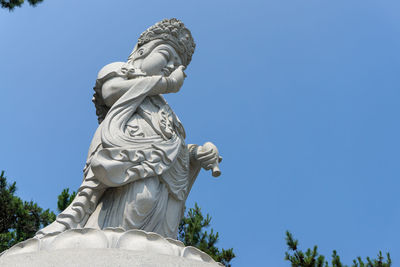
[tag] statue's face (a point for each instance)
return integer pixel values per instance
(161, 60)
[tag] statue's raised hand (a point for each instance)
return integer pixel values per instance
(208, 157)
(175, 79)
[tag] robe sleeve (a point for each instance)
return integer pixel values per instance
(123, 158)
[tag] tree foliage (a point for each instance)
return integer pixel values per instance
(64, 199)
(11, 4)
(191, 233)
(311, 258)
(19, 220)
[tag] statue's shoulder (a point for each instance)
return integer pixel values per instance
(107, 72)
(108, 69)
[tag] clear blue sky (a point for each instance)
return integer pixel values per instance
(301, 97)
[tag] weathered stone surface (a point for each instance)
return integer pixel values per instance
(110, 238)
(99, 258)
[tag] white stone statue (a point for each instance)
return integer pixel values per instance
(139, 171)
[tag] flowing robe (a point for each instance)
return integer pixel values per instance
(138, 173)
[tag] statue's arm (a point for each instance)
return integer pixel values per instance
(193, 152)
(114, 88)
(118, 84)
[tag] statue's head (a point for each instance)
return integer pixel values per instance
(159, 50)
(163, 47)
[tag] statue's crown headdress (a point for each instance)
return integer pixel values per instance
(173, 31)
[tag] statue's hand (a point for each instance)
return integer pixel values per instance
(128, 72)
(208, 157)
(175, 79)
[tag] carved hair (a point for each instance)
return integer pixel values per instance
(98, 101)
(174, 32)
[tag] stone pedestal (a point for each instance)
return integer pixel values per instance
(99, 258)
(109, 247)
